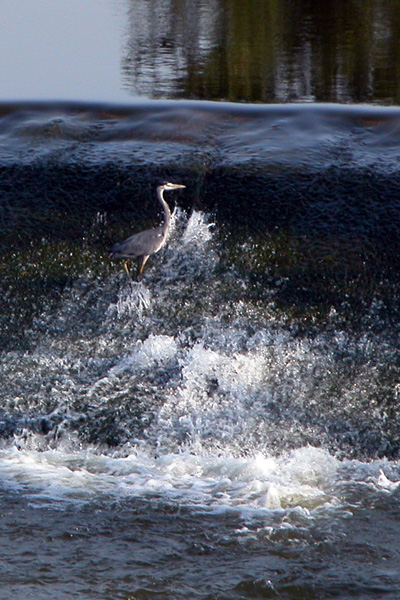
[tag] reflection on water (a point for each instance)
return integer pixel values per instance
(236, 50)
(268, 51)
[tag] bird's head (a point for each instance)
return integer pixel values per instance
(172, 186)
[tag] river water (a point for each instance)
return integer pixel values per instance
(229, 427)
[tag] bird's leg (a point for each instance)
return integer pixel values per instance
(141, 267)
(127, 268)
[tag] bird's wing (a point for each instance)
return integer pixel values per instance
(141, 244)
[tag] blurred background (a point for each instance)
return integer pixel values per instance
(241, 51)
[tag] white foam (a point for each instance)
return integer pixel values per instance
(308, 479)
(198, 230)
(385, 483)
(133, 299)
(236, 374)
(188, 253)
(156, 349)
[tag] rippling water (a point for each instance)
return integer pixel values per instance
(269, 51)
(229, 427)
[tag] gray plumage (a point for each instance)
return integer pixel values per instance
(143, 244)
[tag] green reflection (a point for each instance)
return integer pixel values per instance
(265, 50)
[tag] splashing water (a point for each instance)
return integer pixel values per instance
(197, 231)
(189, 239)
(133, 300)
(171, 388)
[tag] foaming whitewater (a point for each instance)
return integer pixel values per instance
(308, 481)
(132, 301)
(169, 390)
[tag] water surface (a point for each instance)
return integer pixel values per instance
(229, 428)
(269, 51)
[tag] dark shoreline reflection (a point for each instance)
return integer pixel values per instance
(264, 51)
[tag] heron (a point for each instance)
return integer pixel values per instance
(143, 244)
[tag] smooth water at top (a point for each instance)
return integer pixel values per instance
(254, 51)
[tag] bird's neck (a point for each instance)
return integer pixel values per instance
(167, 212)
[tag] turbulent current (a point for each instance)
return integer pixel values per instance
(226, 429)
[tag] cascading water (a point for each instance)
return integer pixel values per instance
(171, 388)
(229, 426)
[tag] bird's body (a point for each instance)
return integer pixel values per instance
(143, 244)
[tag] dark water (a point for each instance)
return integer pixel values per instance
(268, 51)
(134, 549)
(229, 428)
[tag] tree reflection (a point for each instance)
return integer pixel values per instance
(264, 50)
